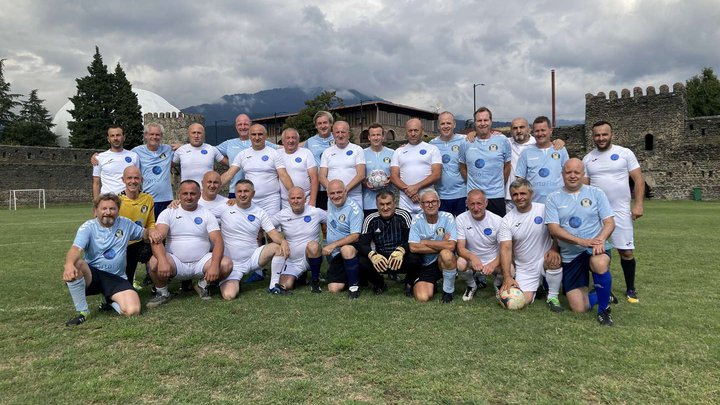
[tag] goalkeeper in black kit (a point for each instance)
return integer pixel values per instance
(383, 244)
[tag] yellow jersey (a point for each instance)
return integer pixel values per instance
(140, 210)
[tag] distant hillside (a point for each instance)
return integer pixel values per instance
(268, 102)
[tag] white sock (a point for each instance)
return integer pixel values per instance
(202, 283)
(554, 279)
(277, 265)
(469, 278)
(164, 291)
(116, 307)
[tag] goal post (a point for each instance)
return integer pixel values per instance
(12, 202)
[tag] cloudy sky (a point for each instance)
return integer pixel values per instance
(426, 54)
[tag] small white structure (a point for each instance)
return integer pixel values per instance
(149, 103)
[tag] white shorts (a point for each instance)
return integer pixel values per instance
(271, 204)
(529, 277)
(622, 236)
(295, 267)
(190, 270)
(241, 268)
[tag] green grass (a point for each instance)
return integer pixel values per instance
(326, 349)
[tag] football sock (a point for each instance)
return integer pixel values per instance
(592, 297)
(164, 291)
(449, 280)
(77, 292)
(276, 268)
(469, 278)
(116, 307)
(202, 283)
(554, 279)
(352, 269)
(628, 267)
(603, 287)
(315, 263)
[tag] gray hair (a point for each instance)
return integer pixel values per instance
(154, 124)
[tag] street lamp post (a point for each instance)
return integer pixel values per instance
(474, 106)
(216, 130)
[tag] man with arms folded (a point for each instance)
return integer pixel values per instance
(103, 241)
(527, 252)
(433, 237)
(414, 166)
(240, 226)
(301, 167)
(579, 217)
(300, 223)
(477, 245)
(194, 247)
(609, 167)
(344, 223)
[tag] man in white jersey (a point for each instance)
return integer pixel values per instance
(95, 263)
(210, 199)
(477, 245)
(317, 144)
(264, 167)
(240, 227)
(433, 236)
(527, 251)
(610, 167)
(344, 220)
(414, 166)
(344, 161)
(107, 174)
(300, 165)
(196, 157)
(300, 223)
(194, 246)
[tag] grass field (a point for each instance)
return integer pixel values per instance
(327, 349)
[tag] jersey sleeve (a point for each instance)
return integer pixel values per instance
(237, 161)
(212, 223)
(82, 237)
(521, 169)
(323, 215)
(277, 160)
(394, 161)
(176, 155)
(309, 160)
(324, 159)
(360, 158)
(135, 231)
(564, 157)
(451, 228)
(97, 169)
(504, 233)
(462, 151)
(356, 220)
(414, 236)
(632, 162)
(164, 217)
(435, 156)
(507, 150)
(551, 213)
(604, 209)
(223, 148)
(460, 227)
(267, 223)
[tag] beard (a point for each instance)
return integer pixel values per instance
(107, 221)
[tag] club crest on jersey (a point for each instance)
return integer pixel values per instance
(538, 220)
(204, 152)
(332, 143)
(251, 217)
(157, 170)
(487, 231)
(386, 159)
(307, 218)
(349, 153)
(265, 158)
(198, 220)
(440, 231)
(480, 163)
(162, 156)
(298, 160)
(423, 151)
(544, 172)
(492, 148)
(586, 202)
(446, 159)
(128, 159)
(575, 222)
(614, 156)
(109, 254)
(144, 209)
(119, 233)
(341, 218)
(555, 155)
(455, 148)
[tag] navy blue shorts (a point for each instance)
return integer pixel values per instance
(427, 273)
(454, 206)
(576, 274)
(159, 207)
(107, 284)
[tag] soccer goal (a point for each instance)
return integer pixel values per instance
(12, 203)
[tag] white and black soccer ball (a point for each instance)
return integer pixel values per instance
(513, 299)
(377, 178)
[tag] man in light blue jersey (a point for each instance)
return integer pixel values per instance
(155, 163)
(541, 164)
(580, 218)
(377, 157)
(344, 223)
(451, 187)
(433, 236)
(317, 144)
(103, 242)
(231, 147)
(485, 163)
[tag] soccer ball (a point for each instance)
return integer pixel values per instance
(377, 178)
(512, 299)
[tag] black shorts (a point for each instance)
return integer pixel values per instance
(576, 274)
(455, 206)
(107, 284)
(321, 200)
(429, 273)
(336, 270)
(497, 206)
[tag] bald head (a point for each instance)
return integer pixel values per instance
(573, 173)
(132, 178)
(196, 134)
(242, 126)
(211, 184)
(520, 130)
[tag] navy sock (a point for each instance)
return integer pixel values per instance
(352, 269)
(603, 287)
(592, 297)
(628, 267)
(315, 263)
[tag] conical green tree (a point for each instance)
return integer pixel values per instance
(34, 111)
(8, 101)
(703, 93)
(33, 126)
(127, 111)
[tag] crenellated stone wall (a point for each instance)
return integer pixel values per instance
(175, 124)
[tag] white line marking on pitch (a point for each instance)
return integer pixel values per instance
(27, 309)
(38, 241)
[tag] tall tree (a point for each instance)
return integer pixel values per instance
(303, 121)
(8, 101)
(34, 111)
(33, 126)
(97, 106)
(127, 109)
(703, 94)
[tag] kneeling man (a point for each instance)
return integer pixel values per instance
(344, 221)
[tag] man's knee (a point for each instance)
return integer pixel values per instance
(313, 249)
(447, 259)
(348, 252)
(335, 287)
(230, 290)
(600, 264)
(226, 266)
(626, 254)
(462, 264)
